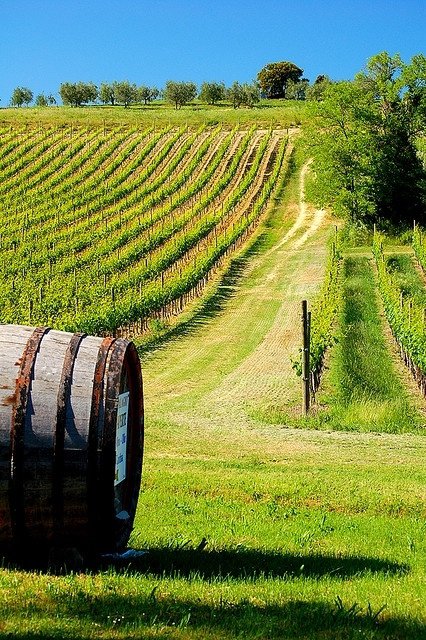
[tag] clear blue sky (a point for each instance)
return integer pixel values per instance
(46, 42)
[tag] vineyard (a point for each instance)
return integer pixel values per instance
(102, 228)
(245, 525)
(405, 310)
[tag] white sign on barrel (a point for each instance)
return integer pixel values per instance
(121, 438)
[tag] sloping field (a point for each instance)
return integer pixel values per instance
(101, 228)
(252, 529)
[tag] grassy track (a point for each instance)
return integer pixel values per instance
(253, 530)
(239, 363)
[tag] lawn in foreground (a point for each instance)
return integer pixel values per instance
(290, 534)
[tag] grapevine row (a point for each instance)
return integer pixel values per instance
(406, 316)
(143, 219)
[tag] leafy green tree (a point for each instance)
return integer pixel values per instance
(274, 77)
(243, 94)
(179, 93)
(51, 99)
(78, 93)
(316, 90)
(212, 92)
(41, 100)
(235, 94)
(251, 94)
(341, 151)
(398, 174)
(106, 93)
(296, 90)
(125, 93)
(364, 143)
(21, 96)
(147, 94)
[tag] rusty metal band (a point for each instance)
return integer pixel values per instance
(98, 392)
(63, 401)
(136, 430)
(17, 430)
(107, 463)
(95, 429)
(137, 403)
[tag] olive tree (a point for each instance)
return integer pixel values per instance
(21, 96)
(243, 94)
(212, 92)
(76, 94)
(147, 94)
(179, 93)
(41, 100)
(106, 93)
(125, 93)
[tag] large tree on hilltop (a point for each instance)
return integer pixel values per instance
(273, 78)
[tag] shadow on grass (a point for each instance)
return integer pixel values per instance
(157, 615)
(218, 565)
(160, 608)
(249, 564)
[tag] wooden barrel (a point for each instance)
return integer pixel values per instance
(71, 439)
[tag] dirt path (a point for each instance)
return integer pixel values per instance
(238, 363)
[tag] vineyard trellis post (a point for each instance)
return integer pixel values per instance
(305, 357)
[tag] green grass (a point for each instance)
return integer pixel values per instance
(254, 530)
(277, 113)
(365, 390)
(326, 540)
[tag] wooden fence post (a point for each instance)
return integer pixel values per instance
(305, 357)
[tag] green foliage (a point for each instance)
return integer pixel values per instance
(405, 314)
(275, 76)
(147, 94)
(364, 146)
(125, 93)
(297, 90)
(21, 96)
(113, 228)
(106, 93)
(323, 313)
(41, 101)
(316, 90)
(362, 389)
(179, 93)
(76, 94)
(212, 92)
(275, 114)
(243, 94)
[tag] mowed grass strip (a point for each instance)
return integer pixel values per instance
(365, 390)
